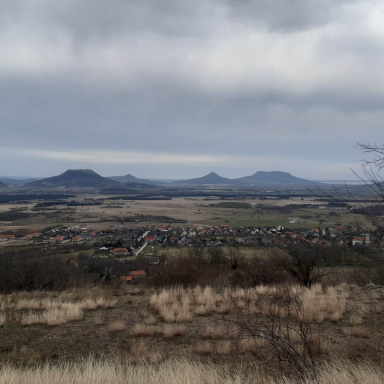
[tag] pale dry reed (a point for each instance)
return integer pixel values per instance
(54, 316)
(99, 320)
(251, 345)
(150, 320)
(360, 332)
(223, 348)
(203, 348)
(170, 331)
(218, 333)
(317, 304)
(142, 351)
(116, 326)
(176, 372)
(145, 330)
(3, 319)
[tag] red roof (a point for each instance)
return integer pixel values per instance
(126, 278)
(119, 250)
(7, 236)
(76, 238)
(138, 273)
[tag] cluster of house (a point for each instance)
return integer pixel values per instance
(134, 276)
(256, 236)
(121, 240)
(128, 237)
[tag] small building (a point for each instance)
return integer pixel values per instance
(138, 273)
(7, 237)
(76, 239)
(119, 251)
(126, 279)
(358, 241)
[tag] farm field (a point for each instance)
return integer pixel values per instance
(197, 211)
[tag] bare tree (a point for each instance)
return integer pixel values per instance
(302, 263)
(278, 320)
(234, 255)
(199, 255)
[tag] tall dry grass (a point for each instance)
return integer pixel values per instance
(54, 316)
(3, 319)
(116, 326)
(55, 309)
(176, 372)
(317, 304)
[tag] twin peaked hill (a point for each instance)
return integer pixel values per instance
(259, 179)
(86, 178)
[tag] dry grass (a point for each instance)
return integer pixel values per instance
(318, 304)
(28, 304)
(202, 311)
(251, 345)
(56, 309)
(99, 320)
(356, 319)
(223, 348)
(54, 316)
(3, 319)
(174, 372)
(218, 333)
(145, 330)
(117, 326)
(204, 348)
(141, 350)
(170, 331)
(150, 320)
(360, 332)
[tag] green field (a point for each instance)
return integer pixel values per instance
(234, 204)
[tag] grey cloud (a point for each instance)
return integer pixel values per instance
(288, 16)
(90, 19)
(203, 77)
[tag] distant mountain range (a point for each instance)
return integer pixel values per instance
(132, 179)
(79, 178)
(16, 181)
(2, 185)
(258, 179)
(86, 178)
(274, 178)
(211, 178)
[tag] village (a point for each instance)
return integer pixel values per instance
(121, 240)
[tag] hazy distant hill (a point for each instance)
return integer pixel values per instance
(126, 187)
(211, 178)
(132, 179)
(18, 181)
(78, 178)
(2, 185)
(275, 178)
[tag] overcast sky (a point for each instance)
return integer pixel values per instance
(172, 89)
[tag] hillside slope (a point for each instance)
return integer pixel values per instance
(274, 178)
(78, 178)
(211, 178)
(133, 179)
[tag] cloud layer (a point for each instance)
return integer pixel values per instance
(264, 80)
